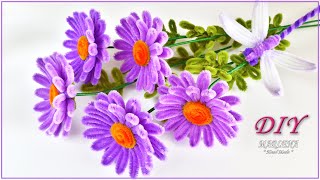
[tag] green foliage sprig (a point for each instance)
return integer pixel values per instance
(104, 82)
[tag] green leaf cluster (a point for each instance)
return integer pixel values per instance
(215, 35)
(172, 32)
(239, 76)
(105, 83)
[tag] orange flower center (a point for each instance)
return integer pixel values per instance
(197, 113)
(53, 93)
(82, 47)
(123, 135)
(141, 53)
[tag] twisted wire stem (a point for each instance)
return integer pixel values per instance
(299, 22)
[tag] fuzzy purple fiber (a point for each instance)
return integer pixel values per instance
(56, 117)
(109, 109)
(133, 29)
(93, 28)
(171, 104)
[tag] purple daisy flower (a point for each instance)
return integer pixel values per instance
(142, 50)
(124, 132)
(88, 45)
(191, 109)
(58, 92)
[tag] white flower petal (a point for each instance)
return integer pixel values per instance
(260, 20)
(291, 62)
(270, 75)
(237, 32)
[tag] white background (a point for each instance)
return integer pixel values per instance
(32, 30)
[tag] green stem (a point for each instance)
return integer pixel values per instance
(107, 90)
(177, 37)
(230, 72)
(217, 36)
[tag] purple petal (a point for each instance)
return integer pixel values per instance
(42, 106)
(157, 24)
(67, 124)
(218, 104)
(236, 115)
(146, 16)
(71, 106)
(193, 93)
(155, 49)
(42, 93)
(122, 45)
(163, 90)
(72, 54)
(208, 136)
(111, 154)
(59, 83)
(71, 34)
(127, 65)
(153, 128)
(131, 120)
(134, 164)
(92, 49)
(133, 73)
(203, 80)
(219, 135)
(122, 161)
(70, 74)
(72, 44)
(187, 79)
(143, 29)
(123, 55)
(89, 64)
(182, 131)
(207, 95)
(102, 143)
(97, 70)
(134, 29)
(195, 134)
(159, 148)
(224, 116)
(152, 35)
(41, 79)
(58, 100)
(59, 116)
(124, 34)
(232, 100)
(162, 38)
(220, 88)
(116, 98)
(96, 133)
(174, 123)
(133, 106)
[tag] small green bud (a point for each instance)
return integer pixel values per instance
(242, 22)
(172, 26)
(236, 59)
(182, 52)
(199, 52)
(277, 20)
(210, 45)
(285, 42)
(254, 73)
(148, 96)
(224, 75)
(236, 44)
(249, 24)
(191, 34)
(223, 57)
(194, 61)
(212, 70)
(241, 83)
(199, 29)
(211, 30)
(222, 39)
(194, 69)
(210, 56)
(186, 25)
(194, 47)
